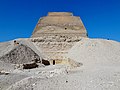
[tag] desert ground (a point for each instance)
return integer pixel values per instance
(100, 69)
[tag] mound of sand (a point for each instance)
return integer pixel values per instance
(100, 70)
(96, 52)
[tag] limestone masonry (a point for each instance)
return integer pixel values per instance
(59, 22)
(56, 33)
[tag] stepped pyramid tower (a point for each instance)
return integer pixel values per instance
(59, 22)
(56, 33)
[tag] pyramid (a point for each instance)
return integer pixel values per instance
(56, 33)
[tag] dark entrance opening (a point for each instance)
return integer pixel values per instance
(30, 66)
(45, 62)
(53, 62)
(65, 28)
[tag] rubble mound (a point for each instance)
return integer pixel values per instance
(19, 55)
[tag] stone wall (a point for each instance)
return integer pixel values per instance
(60, 14)
(56, 45)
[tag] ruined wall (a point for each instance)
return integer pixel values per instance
(55, 45)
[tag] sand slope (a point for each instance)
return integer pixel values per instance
(96, 52)
(100, 70)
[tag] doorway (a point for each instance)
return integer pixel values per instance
(53, 62)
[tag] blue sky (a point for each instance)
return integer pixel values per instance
(19, 17)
